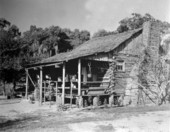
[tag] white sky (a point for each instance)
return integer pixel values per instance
(90, 15)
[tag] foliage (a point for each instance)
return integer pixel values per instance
(153, 78)
(131, 23)
(77, 37)
(43, 43)
(9, 47)
(4, 23)
(136, 21)
(10, 58)
(102, 33)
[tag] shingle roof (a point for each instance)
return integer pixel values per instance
(93, 46)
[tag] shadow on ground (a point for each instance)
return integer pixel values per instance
(19, 122)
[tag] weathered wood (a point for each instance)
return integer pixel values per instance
(26, 88)
(50, 92)
(101, 57)
(79, 77)
(71, 95)
(31, 80)
(44, 65)
(96, 92)
(63, 85)
(44, 91)
(56, 92)
(79, 101)
(92, 95)
(41, 80)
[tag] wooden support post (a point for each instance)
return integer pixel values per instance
(26, 88)
(79, 77)
(71, 94)
(50, 92)
(56, 91)
(63, 87)
(44, 90)
(41, 80)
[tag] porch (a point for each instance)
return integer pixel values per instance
(81, 82)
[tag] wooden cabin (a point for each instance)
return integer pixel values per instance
(101, 71)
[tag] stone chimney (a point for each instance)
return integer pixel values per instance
(151, 41)
(151, 38)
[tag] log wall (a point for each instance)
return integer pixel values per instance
(131, 52)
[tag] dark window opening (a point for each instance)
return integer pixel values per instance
(120, 66)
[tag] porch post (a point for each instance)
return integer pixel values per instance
(63, 86)
(26, 88)
(41, 80)
(56, 91)
(79, 77)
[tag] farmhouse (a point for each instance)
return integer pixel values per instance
(103, 70)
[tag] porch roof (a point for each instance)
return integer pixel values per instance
(93, 46)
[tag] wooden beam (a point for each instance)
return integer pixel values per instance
(63, 86)
(41, 80)
(31, 80)
(26, 88)
(45, 65)
(79, 77)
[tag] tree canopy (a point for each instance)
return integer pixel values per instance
(10, 57)
(42, 43)
(102, 33)
(136, 21)
(130, 23)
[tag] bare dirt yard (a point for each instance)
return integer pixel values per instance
(20, 116)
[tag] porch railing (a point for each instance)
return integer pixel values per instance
(89, 88)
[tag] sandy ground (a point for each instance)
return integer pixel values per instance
(17, 115)
(148, 122)
(12, 107)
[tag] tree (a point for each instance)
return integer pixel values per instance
(43, 43)
(102, 33)
(32, 40)
(134, 22)
(56, 41)
(10, 61)
(4, 23)
(153, 78)
(77, 37)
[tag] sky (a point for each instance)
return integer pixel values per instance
(91, 15)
